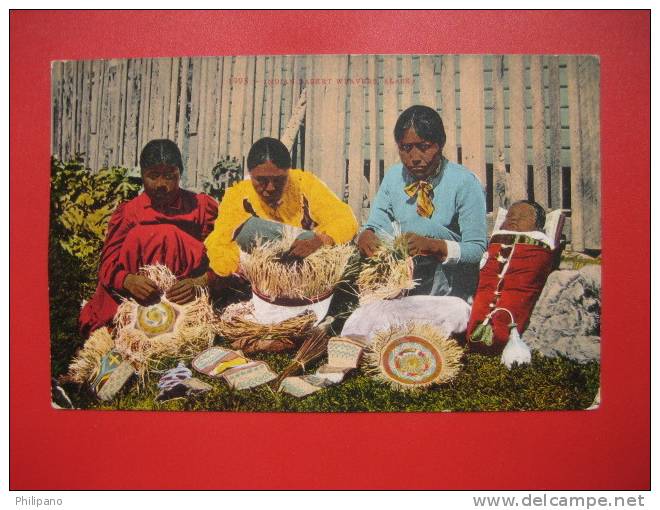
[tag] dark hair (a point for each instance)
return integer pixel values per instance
(269, 149)
(538, 209)
(425, 121)
(158, 152)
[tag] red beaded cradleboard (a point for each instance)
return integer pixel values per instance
(512, 279)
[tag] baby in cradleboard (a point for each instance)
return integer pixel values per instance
(521, 254)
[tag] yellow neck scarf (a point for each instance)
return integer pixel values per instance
(424, 192)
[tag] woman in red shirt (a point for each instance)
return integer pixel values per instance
(166, 225)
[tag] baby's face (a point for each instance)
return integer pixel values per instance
(520, 218)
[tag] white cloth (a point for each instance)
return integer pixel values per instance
(453, 252)
(448, 313)
(551, 232)
(268, 313)
(534, 234)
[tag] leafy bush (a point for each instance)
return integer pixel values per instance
(81, 204)
(226, 172)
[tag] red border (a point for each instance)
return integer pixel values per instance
(605, 449)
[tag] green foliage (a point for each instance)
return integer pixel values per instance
(81, 204)
(484, 384)
(226, 172)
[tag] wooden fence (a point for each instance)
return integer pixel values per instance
(527, 126)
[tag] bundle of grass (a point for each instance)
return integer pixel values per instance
(388, 273)
(151, 336)
(238, 325)
(278, 279)
(314, 346)
(413, 356)
(85, 364)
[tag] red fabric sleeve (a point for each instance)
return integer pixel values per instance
(111, 272)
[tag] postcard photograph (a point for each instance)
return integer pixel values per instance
(326, 233)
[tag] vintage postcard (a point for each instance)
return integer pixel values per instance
(326, 233)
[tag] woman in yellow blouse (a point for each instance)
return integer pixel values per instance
(276, 193)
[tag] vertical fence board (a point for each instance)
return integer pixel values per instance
(181, 122)
(145, 102)
(174, 98)
(238, 109)
(225, 112)
(155, 101)
(131, 150)
(584, 125)
(268, 97)
(67, 118)
(259, 77)
(500, 176)
(517, 129)
(310, 114)
(448, 97)
(119, 103)
(248, 115)
(538, 130)
(330, 126)
(374, 163)
(390, 109)
(196, 64)
(427, 81)
(296, 91)
(406, 81)
(203, 128)
(277, 98)
(589, 79)
(554, 103)
(218, 90)
(83, 141)
(77, 114)
(287, 92)
(473, 123)
(108, 117)
(355, 160)
(577, 241)
(97, 92)
(193, 123)
(211, 142)
(56, 109)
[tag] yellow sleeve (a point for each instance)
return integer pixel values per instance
(334, 217)
(222, 250)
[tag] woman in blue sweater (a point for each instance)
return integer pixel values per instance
(439, 205)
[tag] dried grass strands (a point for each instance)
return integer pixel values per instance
(88, 359)
(448, 350)
(315, 276)
(387, 273)
(237, 324)
(160, 275)
(314, 346)
(193, 332)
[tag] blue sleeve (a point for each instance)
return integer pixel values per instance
(381, 214)
(471, 205)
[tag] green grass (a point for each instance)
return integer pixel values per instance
(483, 384)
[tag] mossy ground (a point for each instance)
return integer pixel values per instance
(484, 384)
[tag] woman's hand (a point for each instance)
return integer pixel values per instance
(302, 248)
(368, 243)
(184, 291)
(420, 245)
(141, 288)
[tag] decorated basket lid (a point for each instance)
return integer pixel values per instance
(413, 356)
